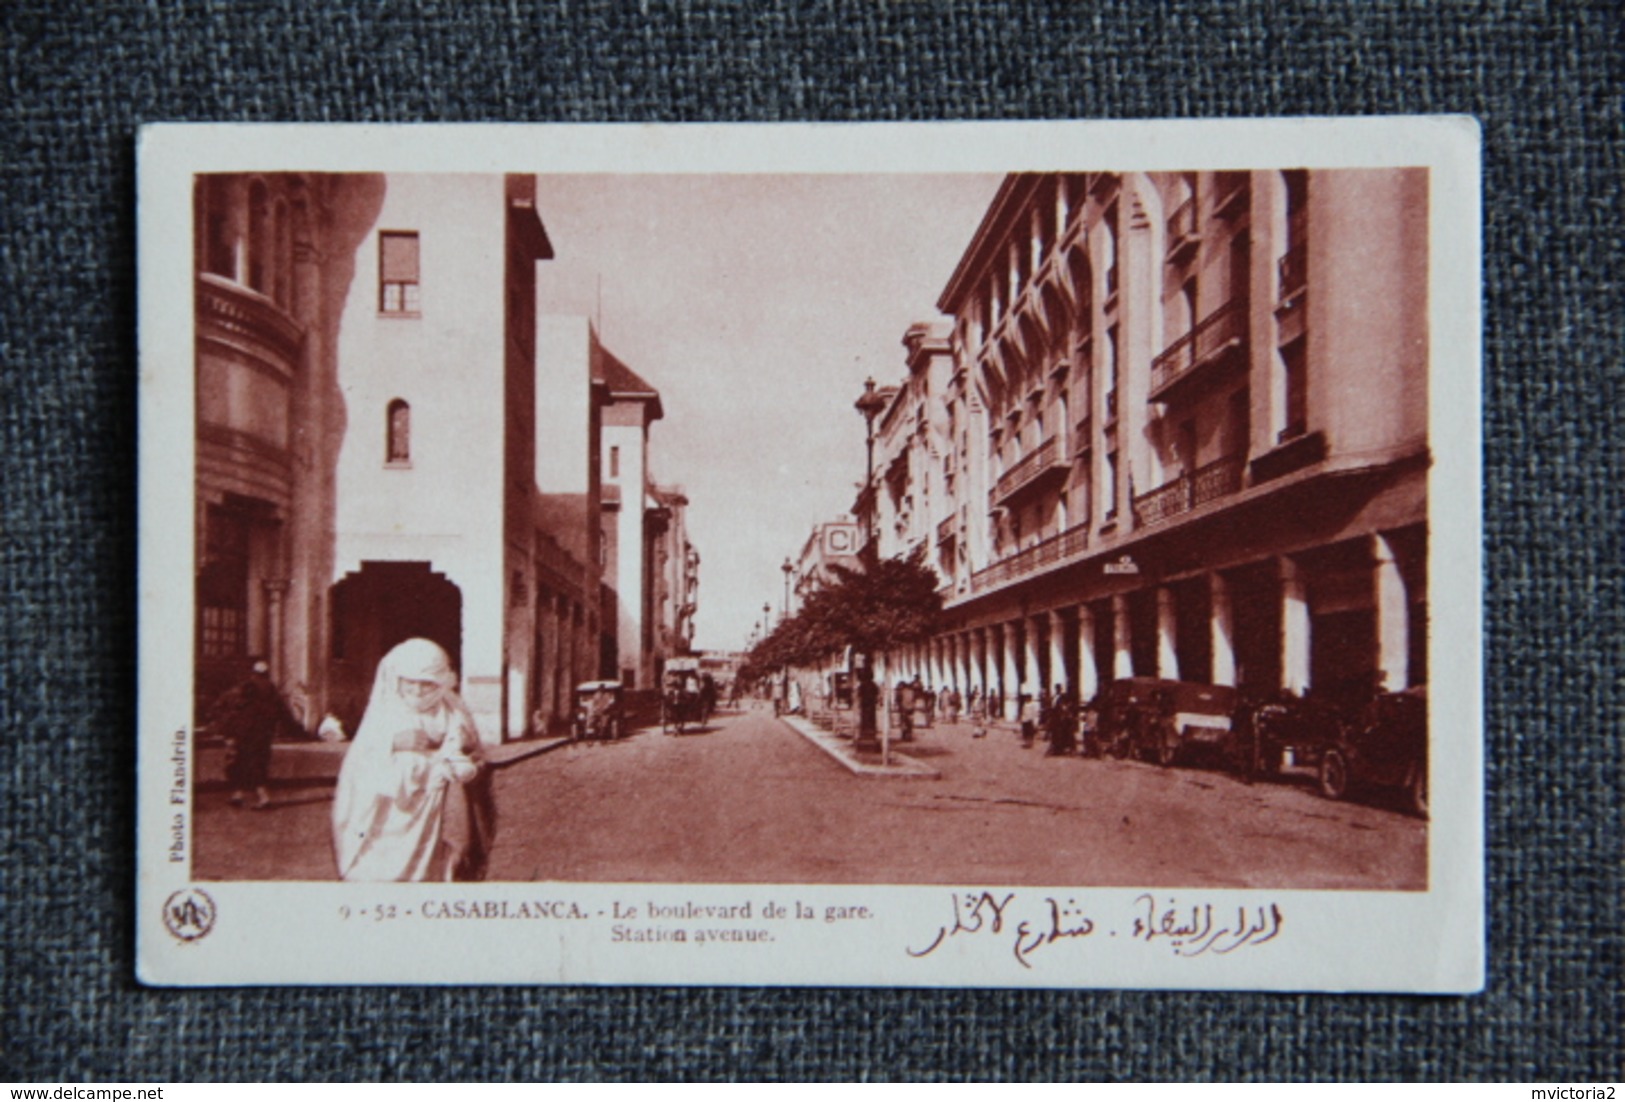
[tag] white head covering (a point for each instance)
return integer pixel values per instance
(369, 772)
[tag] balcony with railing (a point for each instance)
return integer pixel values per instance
(1217, 479)
(233, 314)
(1033, 469)
(1214, 340)
(946, 530)
(1056, 550)
(1182, 235)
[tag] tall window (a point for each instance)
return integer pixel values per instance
(614, 461)
(399, 431)
(1110, 488)
(1296, 397)
(1112, 352)
(398, 273)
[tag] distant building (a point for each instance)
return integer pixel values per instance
(674, 576)
(832, 543)
(571, 634)
(1182, 433)
(631, 406)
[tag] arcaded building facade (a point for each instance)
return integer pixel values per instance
(1182, 432)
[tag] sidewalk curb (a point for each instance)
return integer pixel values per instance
(903, 767)
(511, 753)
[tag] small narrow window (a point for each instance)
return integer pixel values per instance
(400, 433)
(614, 462)
(398, 273)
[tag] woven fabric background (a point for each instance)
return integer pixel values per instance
(1546, 80)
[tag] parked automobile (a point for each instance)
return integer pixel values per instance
(1284, 731)
(1386, 745)
(1159, 719)
(600, 711)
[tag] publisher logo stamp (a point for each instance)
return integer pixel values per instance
(189, 914)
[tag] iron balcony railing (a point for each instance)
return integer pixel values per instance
(1221, 330)
(1040, 461)
(1217, 479)
(1057, 549)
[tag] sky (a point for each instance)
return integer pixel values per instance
(756, 305)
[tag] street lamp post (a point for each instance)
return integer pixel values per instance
(784, 615)
(869, 404)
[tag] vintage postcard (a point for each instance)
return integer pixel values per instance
(956, 554)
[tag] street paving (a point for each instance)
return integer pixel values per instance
(749, 800)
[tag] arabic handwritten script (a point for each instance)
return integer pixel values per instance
(1028, 927)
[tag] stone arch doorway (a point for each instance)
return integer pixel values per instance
(373, 609)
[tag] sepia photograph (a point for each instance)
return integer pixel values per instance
(1027, 550)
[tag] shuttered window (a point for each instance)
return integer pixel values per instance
(398, 273)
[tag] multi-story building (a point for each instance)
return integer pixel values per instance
(268, 260)
(832, 543)
(674, 572)
(631, 405)
(391, 442)
(571, 640)
(1186, 424)
(434, 484)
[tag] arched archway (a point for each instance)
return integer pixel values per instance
(383, 604)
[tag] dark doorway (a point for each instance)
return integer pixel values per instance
(234, 552)
(1342, 652)
(384, 604)
(1142, 619)
(1104, 644)
(1193, 634)
(1255, 608)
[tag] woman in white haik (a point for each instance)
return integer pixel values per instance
(413, 800)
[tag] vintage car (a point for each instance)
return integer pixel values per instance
(1282, 731)
(683, 700)
(1159, 719)
(600, 711)
(1387, 744)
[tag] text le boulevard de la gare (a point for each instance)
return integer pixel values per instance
(1024, 923)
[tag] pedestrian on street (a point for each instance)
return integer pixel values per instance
(978, 715)
(1027, 713)
(904, 702)
(249, 714)
(413, 800)
(868, 703)
(952, 704)
(1062, 723)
